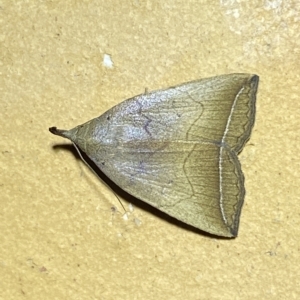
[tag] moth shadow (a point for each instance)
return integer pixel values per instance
(131, 199)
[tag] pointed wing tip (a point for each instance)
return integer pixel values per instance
(234, 233)
(234, 228)
(255, 80)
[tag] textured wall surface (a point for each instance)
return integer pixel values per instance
(60, 237)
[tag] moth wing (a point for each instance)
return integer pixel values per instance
(219, 109)
(183, 180)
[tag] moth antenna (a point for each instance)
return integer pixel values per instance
(78, 151)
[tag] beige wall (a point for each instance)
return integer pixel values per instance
(59, 238)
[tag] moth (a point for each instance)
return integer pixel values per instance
(177, 148)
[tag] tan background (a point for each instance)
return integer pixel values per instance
(59, 237)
